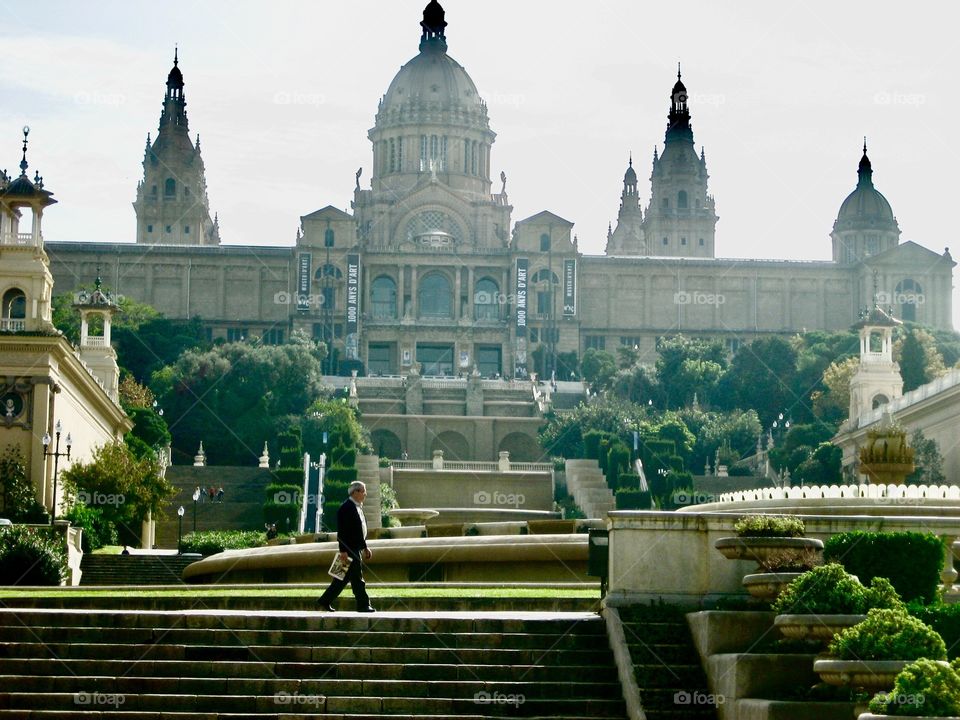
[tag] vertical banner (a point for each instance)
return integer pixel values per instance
(352, 341)
(520, 352)
(303, 282)
(570, 287)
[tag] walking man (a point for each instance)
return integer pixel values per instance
(352, 538)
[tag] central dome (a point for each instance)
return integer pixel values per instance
(432, 79)
(865, 208)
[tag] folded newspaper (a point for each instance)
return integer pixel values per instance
(338, 568)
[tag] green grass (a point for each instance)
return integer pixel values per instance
(310, 591)
(109, 550)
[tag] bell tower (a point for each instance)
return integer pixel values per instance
(877, 380)
(627, 239)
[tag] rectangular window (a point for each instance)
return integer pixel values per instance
(683, 241)
(186, 229)
(274, 336)
(236, 334)
(443, 153)
(595, 342)
(489, 360)
(666, 242)
(169, 228)
(701, 242)
(423, 154)
(434, 152)
(149, 228)
(380, 358)
(629, 341)
(435, 359)
(534, 335)
(399, 154)
(393, 156)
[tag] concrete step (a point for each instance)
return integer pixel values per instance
(100, 569)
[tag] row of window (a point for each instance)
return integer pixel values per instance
(435, 359)
(683, 202)
(170, 189)
(683, 241)
(169, 229)
(433, 155)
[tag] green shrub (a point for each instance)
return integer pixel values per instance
(283, 493)
(943, 618)
(98, 531)
(31, 556)
(888, 635)
(384, 462)
(769, 526)
(912, 561)
(633, 499)
(618, 461)
(559, 464)
(286, 516)
(342, 475)
(925, 688)
(591, 444)
(628, 481)
(831, 590)
(210, 542)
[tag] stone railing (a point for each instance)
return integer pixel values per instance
(467, 465)
(94, 341)
(18, 239)
(945, 492)
(944, 382)
(12, 325)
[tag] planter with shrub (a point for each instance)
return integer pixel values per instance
(872, 653)
(923, 689)
(828, 599)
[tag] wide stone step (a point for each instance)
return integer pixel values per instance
(302, 670)
(310, 638)
(289, 715)
(270, 653)
(487, 701)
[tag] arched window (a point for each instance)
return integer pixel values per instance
(682, 199)
(383, 295)
(544, 242)
(14, 305)
(170, 188)
(328, 238)
(486, 300)
(879, 400)
(434, 297)
(908, 295)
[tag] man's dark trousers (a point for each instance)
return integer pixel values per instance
(354, 576)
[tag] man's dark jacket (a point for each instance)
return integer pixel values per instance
(350, 529)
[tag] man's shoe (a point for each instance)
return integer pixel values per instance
(325, 606)
(367, 609)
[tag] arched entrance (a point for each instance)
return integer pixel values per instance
(386, 444)
(453, 444)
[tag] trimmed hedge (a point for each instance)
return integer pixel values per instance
(340, 475)
(285, 515)
(631, 499)
(911, 561)
(628, 481)
(283, 493)
(211, 542)
(945, 619)
(30, 556)
(888, 635)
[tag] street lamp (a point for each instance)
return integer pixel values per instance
(56, 455)
(196, 497)
(180, 530)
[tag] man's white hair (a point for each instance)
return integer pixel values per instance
(356, 485)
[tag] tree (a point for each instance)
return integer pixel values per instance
(17, 498)
(124, 487)
(598, 367)
(149, 432)
(638, 384)
(686, 367)
(920, 361)
(832, 404)
(822, 467)
(737, 429)
(563, 433)
(241, 394)
(133, 394)
(927, 459)
(816, 351)
(762, 376)
(157, 341)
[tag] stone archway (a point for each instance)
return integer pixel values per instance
(522, 447)
(386, 443)
(453, 444)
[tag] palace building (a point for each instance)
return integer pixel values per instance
(429, 269)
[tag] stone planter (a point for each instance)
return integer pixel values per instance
(814, 627)
(763, 549)
(870, 675)
(768, 586)
(871, 716)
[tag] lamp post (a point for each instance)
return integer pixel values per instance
(196, 497)
(56, 455)
(180, 530)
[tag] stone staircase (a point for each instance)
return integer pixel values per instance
(588, 487)
(666, 663)
(208, 665)
(133, 569)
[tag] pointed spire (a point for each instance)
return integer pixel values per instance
(656, 156)
(23, 163)
(177, 49)
(865, 169)
(678, 71)
(198, 142)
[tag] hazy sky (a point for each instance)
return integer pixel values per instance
(283, 94)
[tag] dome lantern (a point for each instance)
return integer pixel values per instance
(433, 25)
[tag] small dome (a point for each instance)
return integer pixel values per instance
(866, 207)
(175, 77)
(630, 177)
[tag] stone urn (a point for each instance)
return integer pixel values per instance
(763, 550)
(768, 586)
(886, 458)
(814, 627)
(872, 676)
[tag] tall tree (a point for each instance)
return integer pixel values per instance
(687, 367)
(762, 376)
(920, 361)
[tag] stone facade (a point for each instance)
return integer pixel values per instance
(427, 268)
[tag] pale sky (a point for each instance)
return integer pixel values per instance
(283, 94)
